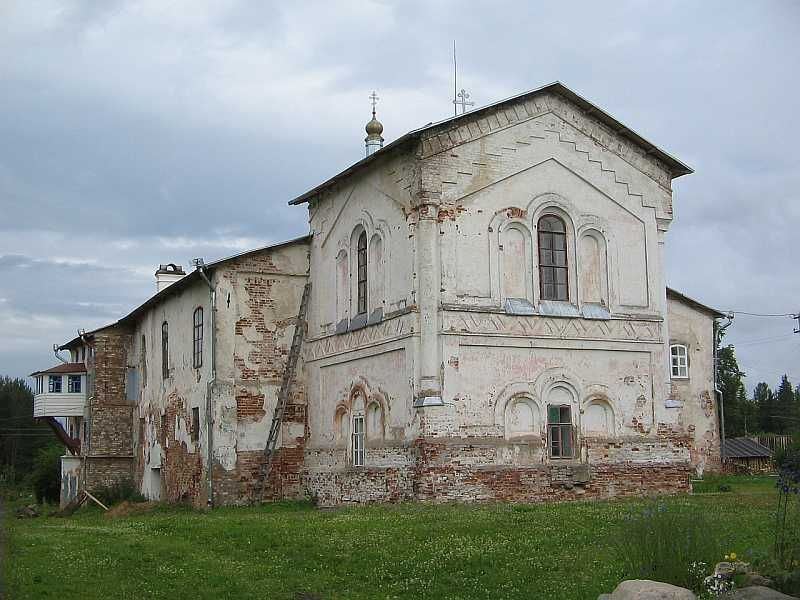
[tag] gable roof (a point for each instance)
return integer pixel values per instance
(676, 295)
(676, 167)
(182, 283)
(743, 447)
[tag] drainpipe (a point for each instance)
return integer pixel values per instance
(718, 330)
(212, 292)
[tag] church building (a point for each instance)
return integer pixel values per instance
(478, 313)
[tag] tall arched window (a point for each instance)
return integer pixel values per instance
(197, 338)
(553, 280)
(164, 350)
(362, 272)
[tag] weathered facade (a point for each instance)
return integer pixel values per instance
(488, 321)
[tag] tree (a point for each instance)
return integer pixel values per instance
(20, 435)
(785, 415)
(765, 407)
(734, 398)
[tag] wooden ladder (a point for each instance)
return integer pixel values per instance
(283, 393)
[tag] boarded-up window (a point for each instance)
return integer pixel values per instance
(132, 385)
(514, 261)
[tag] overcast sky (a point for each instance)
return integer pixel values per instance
(136, 133)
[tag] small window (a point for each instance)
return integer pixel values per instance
(195, 424)
(559, 430)
(553, 277)
(362, 273)
(197, 338)
(358, 441)
(164, 350)
(74, 384)
(680, 361)
(54, 384)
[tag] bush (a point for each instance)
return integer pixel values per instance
(118, 492)
(662, 542)
(45, 477)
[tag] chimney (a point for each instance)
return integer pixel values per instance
(167, 275)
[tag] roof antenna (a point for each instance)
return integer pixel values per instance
(461, 97)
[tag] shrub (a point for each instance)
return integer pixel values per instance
(661, 542)
(45, 477)
(118, 492)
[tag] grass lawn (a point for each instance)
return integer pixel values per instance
(548, 551)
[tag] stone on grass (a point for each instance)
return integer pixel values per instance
(759, 592)
(27, 512)
(643, 589)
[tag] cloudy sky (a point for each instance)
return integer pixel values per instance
(134, 133)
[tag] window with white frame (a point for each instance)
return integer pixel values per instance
(54, 384)
(358, 441)
(74, 384)
(680, 361)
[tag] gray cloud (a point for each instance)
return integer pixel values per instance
(139, 133)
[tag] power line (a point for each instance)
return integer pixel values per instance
(765, 340)
(752, 314)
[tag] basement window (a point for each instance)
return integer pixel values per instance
(559, 431)
(74, 384)
(358, 441)
(680, 361)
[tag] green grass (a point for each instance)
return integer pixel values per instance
(737, 484)
(407, 551)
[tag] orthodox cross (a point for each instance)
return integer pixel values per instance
(374, 98)
(463, 101)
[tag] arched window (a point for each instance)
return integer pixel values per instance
(362, 273)
(553, 281)
(680, 361)
(164, 350)
(197, 338)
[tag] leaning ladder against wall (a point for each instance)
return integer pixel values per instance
(283, 393)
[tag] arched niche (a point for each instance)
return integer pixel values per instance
(341, 424)
(598, 418)
(377, 283)
(342, 286)
(515, 261)
(593, 268)
(522, 418)
(374, 421)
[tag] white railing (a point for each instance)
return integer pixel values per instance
(59, 405)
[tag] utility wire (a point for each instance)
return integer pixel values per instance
(752, 314)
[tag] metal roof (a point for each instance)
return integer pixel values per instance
(62, 368)
(676, 295)
(743, 447)
(180, 284)
(676, 167)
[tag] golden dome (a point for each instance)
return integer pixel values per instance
(374, 127)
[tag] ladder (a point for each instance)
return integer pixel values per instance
(283, 393)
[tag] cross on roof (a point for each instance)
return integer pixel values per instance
(463, 100)
(374, 98)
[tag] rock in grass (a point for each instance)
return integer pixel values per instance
(27, 512)
(759, 592)
(643, 589)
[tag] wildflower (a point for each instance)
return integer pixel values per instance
(733, 555)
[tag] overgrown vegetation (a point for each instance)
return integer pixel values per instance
(561, 551)
(45, 477)
(119, 492)
(661, 541)
(787, 521)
